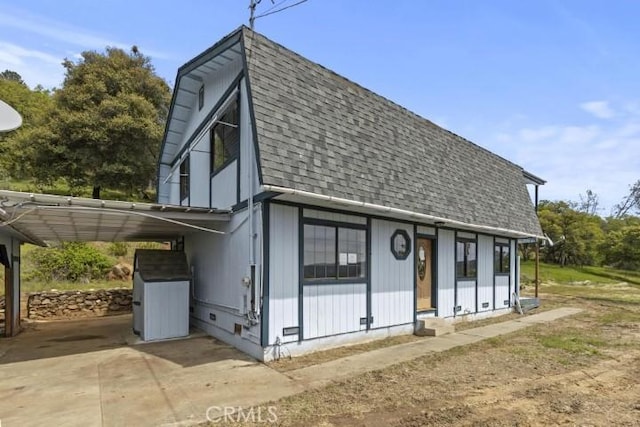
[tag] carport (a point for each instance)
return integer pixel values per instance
(41, 218)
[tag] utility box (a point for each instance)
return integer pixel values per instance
(161, 283)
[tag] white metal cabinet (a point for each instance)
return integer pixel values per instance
(161, 283)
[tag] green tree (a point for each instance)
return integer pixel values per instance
(12, 76)
(17, 147)
(577, 236)
(621, 246)
(107, 125)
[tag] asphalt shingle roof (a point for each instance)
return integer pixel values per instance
(321, 133)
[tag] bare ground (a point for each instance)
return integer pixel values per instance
(583, 370)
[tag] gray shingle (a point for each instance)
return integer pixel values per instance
(354, 144)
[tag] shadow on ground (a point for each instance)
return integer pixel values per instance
(64, 338)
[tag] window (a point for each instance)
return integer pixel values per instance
(466, 264)
(400, 244)
(334, 252)
(184, 179)
(201, 97)
(501, 258)
(225, 138)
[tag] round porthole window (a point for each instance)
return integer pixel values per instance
(400, 244)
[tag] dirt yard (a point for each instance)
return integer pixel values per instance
(583, 370)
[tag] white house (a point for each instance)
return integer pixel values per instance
(350, 216)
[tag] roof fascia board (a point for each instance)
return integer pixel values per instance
(252, 116)
(212, 52)
(532, 179)
(56, 200)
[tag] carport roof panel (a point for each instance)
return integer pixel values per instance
(45, 217)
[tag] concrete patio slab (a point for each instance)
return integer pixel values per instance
(83, 373)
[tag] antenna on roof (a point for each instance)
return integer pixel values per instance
(270, 11)
(252, 10)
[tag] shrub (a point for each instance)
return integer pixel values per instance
(151, 245)
(118, 249)
(74, 262)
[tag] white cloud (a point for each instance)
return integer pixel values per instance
(15, 54)
(604, 158)
(35, 66)
(534, 135)
(62, 32)
(35, 46)
(599, 109)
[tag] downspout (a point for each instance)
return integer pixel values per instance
(537, 273)
(252, 315)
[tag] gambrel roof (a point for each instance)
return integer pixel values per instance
(321, 133)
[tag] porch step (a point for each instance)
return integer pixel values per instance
(433, 327)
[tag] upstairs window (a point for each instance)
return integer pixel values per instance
(334, 253)
(225, 138)
(502, 258)
(466, 260)
(184, 179)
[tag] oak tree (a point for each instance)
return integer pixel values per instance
(107, 125)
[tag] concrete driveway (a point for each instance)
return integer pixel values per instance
(83, 373)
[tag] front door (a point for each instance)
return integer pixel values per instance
(424, 252)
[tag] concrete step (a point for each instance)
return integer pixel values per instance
(433, 327)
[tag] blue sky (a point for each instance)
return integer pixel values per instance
(552, 85)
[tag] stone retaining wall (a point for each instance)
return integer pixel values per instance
(73, 304)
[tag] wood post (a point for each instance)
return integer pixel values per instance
(9, 326)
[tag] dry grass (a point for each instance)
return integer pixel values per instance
(289, 364)
(581, 370)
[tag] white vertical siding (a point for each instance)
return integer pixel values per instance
(221, 261)
(199, 175)
(485, 272)
(428, 231)
(334, 216)
(333, 309)
(502, 291)
(215, 85)
(224, 187)
(446, 272)
(166, 189)
(283, 271)
(466, 297)
(466, 235)
(392, 281)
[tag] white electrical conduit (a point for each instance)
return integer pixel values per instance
(111, 212)
(385, 209)
(202, 133)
